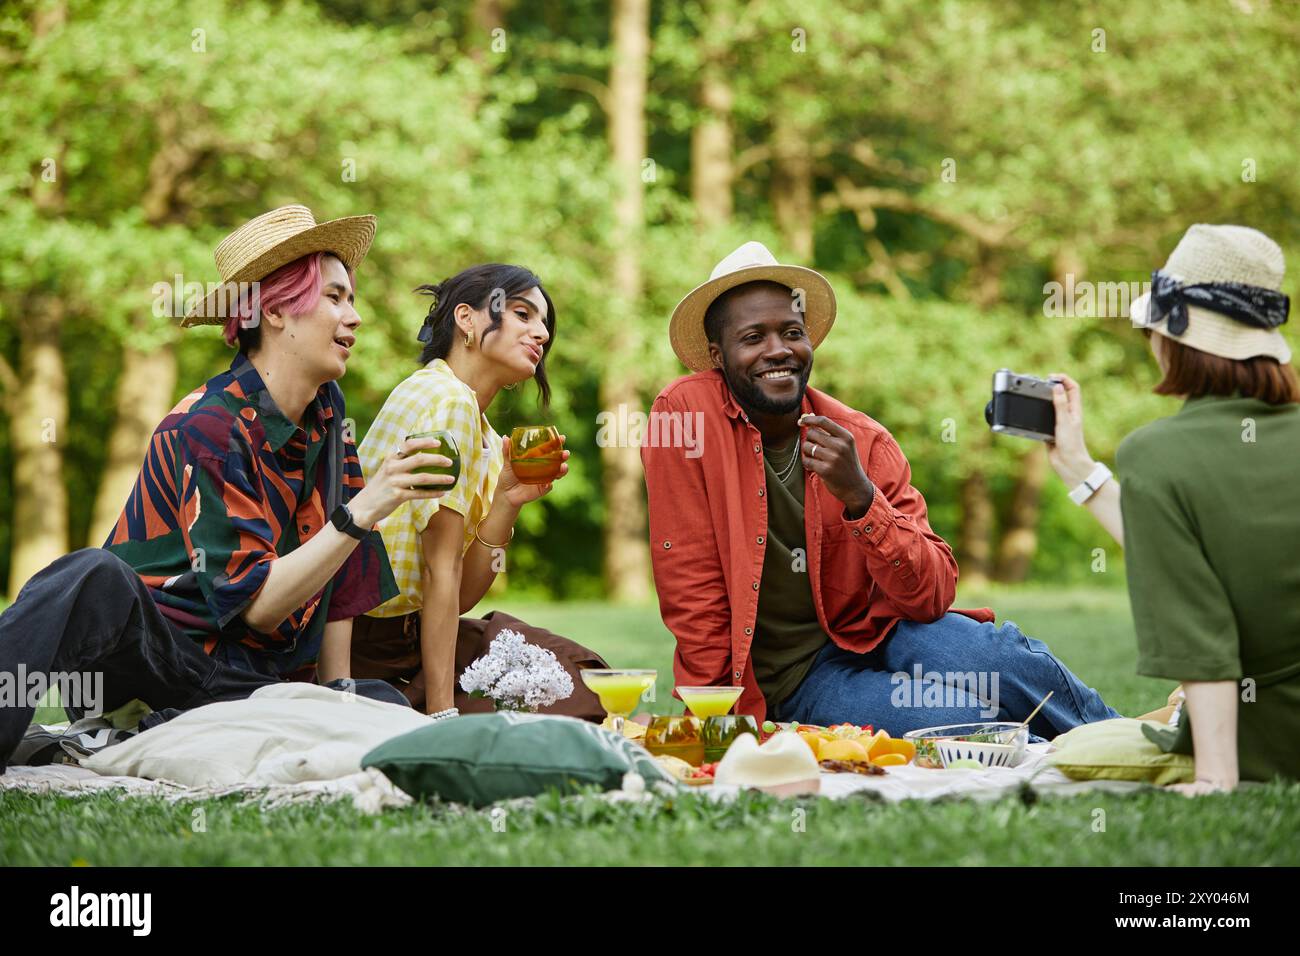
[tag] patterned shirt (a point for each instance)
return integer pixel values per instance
(432, 399)
(228, 485)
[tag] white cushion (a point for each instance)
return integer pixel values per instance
(283, 733)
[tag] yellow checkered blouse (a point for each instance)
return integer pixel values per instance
(431, 399)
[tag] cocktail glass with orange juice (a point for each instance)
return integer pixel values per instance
(619, 690)
(536, 454)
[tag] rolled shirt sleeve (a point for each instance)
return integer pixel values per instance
(456, 414)
(913, 565)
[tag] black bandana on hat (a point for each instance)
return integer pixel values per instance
(1248, 304)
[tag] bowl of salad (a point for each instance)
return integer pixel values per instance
(996, 744)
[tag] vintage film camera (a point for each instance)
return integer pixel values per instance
(1021, 405)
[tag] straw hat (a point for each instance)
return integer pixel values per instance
(1220, 254)
(752, 262)
(275, 239)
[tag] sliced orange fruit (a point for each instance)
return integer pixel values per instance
(843, 750)
(813, 741)
(879, 743)
(896, 745)
(889, 760)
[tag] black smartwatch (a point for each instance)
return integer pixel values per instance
(342, 519)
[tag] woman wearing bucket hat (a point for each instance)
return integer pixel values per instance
(237, 550)
(1209, 508)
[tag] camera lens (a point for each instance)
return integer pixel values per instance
(988, 413)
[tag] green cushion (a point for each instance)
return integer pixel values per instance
(1118, 750)
(481, 758)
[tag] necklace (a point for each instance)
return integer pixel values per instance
(783, 472)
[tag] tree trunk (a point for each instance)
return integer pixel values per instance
(976, 548)
(1020, 536)
(144, 396)
(792, 186)
(712, 171)
(38, 425)
(144, 390)
(627, 561)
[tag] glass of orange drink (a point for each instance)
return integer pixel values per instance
(536, 454)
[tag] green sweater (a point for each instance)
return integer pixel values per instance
(1211, 505)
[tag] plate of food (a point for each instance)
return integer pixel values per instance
(683, 772)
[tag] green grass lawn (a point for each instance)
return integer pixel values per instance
(1090, 630)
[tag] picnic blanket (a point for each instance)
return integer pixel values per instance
(911, 782)
(371, 792)
(286, 743)
(293, 742)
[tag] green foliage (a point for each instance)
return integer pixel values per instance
(1072, 151)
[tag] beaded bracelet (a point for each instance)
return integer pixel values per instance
(449, 712)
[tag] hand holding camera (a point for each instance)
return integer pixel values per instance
(1067, 451)
(1048, 410)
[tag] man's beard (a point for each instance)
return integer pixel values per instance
(753, 400)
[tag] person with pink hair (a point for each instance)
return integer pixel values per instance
(247, 544)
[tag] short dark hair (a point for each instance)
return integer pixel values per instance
(719, 310)
(474, 286)
(1192, 372)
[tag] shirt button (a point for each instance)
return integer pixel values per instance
(895, 563)
(856, 532)
(755, 585)
(667, 545)
(749, 630)
(737, 675)
(758, 449)
(306, 528)
(760, 492)
(760, 539)
(867, 529)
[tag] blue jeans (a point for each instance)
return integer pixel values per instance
(952, 671)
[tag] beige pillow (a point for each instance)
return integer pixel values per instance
(1117, 750)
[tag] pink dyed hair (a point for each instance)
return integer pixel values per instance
(293, 289)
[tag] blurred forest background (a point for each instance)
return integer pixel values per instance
(940, 161)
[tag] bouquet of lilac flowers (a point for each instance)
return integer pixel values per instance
(517, 675)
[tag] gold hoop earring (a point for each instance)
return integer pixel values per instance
(469, 340)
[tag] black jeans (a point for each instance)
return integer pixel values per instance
(89, 613)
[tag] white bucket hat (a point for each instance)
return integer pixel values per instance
(784, 765)
(274, 239)
(1220, 292)
(752, 262)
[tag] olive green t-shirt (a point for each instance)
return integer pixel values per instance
(1211, 505)
(787, 635)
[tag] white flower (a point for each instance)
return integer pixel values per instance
(517, 673)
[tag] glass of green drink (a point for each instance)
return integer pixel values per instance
(720, 731)
(447, 446)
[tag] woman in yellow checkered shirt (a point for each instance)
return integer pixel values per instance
(489, 327)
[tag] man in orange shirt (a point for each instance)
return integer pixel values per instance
(792, 556)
